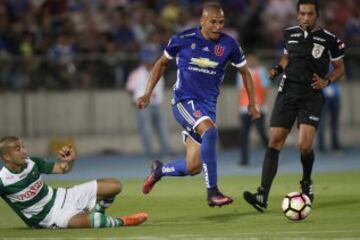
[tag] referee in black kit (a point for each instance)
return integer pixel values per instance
(308, 51)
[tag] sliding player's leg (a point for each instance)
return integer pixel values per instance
(107, 189)
(74, 211)
(100, 220)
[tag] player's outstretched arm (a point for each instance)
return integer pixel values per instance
(66, 160)
(248, 84)
(156, 72)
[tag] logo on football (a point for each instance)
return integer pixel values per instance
(296, 206)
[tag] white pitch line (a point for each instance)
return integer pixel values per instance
(247, 235)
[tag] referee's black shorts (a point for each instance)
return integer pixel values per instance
(294, 102)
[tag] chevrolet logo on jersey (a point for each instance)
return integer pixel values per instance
(203, 62)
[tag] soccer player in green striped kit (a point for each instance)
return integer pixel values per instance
(41, 206)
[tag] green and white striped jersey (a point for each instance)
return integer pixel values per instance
(26, 193)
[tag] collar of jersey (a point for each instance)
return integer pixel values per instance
(21, 170)
(198, 31)
(316, 28)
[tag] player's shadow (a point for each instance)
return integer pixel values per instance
(17, 228)
(340, 202)
(226, 217)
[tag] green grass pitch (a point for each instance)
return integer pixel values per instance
(178, 210)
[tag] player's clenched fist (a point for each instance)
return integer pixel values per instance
(254, 112)
(67, 153)
(143, 102)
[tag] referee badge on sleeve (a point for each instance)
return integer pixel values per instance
(317, 50)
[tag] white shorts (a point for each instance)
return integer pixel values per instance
(69, 202)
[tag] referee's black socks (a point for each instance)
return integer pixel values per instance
(307, 161)
(269, 169)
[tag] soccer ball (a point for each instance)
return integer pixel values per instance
(296, 206)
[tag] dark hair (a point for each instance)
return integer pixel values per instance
(313, 2)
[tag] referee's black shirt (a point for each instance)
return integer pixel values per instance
(309, 53)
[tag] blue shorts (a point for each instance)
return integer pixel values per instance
(189, 113)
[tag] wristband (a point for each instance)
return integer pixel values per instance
(278, 69)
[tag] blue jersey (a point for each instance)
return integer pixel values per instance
(201, 64)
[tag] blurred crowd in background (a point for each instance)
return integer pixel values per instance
(80, 44)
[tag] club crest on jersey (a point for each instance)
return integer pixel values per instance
(197, 114)
(219, 50)
(317, 50)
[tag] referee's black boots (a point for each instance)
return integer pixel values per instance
(307, 188)
(258, 200)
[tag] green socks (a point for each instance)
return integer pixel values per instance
(100, 220)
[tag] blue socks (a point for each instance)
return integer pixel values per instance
(175, 168)
(208, 156)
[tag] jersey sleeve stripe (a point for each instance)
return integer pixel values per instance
(243, 63)
(329, 33)
(337, 58)
(167, 55)
(293, 27)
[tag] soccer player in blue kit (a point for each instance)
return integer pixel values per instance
(201, 57)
